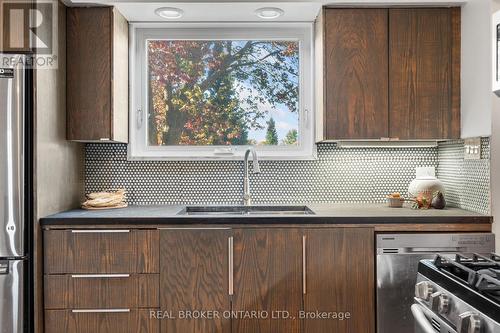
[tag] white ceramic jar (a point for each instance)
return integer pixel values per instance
(425, 182)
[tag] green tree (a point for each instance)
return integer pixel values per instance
(291, 137)
(210, 92)
(271, 134)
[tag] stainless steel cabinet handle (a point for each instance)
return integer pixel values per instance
(101, 311)
(194, 228)
(433, 249)
(99, 231)
(105, 276)
(304, 265)
(231, 265)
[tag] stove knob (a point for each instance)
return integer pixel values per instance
(469, 322)
(423, 290)
(443, 304)
(440, 303)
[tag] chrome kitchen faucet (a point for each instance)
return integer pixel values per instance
(247, 198)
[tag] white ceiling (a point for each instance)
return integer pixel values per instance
(241, 10)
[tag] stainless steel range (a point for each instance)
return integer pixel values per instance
(458, 295)
(398, 256)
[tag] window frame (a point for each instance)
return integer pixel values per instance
(140, 33)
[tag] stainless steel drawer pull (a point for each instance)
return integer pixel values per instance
(101, 311)
(97, 231)
(106, 276)
(231, 265)
(193, 228)
(304, 264)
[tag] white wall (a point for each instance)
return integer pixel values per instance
(476, 68)
(495, 154)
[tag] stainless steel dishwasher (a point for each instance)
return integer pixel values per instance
(397, 261)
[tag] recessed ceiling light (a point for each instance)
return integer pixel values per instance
(269, 13)
(170, 13)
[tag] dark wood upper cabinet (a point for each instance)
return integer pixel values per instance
(194, 275)
(356, 74)
(340, 278)
(96, 75)
(267, 277)
(424, 71)
(15, 26)
(392, 73)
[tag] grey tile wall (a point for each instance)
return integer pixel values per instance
(467, 182)
(364, 175)
(338, 175)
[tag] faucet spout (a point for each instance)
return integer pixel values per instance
(247, 198)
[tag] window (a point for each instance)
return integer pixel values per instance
(212, 91)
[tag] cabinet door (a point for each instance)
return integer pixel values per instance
(89, 251)
(100, 321)
(194, 275)
(339, 279)
(356, 74)
(89, 53)
(267, 278)
(424, 73)
(15, 26)
(99, 251)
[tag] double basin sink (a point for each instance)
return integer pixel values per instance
(246, 210)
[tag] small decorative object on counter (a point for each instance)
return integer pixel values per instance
(438, 201)
(105, 200)
(395, 200)
(425, 182)
(422, 201)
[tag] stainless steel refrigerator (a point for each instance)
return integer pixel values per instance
(13, 196)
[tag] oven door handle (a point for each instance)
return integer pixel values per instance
(421, 320)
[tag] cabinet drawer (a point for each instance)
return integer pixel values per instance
(101, 291)
(100, 321)
(100, 251)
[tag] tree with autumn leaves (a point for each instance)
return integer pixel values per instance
(210, 92)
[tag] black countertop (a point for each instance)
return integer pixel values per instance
(324, 214)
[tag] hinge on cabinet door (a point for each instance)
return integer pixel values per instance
(139, 118)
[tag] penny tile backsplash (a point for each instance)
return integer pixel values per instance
(363, 175)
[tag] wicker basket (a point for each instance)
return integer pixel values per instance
(395, 202)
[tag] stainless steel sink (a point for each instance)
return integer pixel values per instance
(246, 210)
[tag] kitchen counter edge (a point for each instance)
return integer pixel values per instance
(381, 218)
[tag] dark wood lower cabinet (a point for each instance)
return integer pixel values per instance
(101, 281)
(106, 291)
(131, 321)
(211, 280)
(97, 251)
(194, 276)
(340, 279)
(267, 279)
